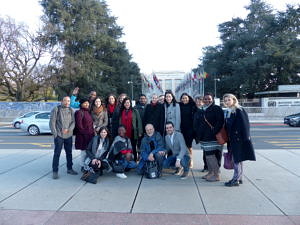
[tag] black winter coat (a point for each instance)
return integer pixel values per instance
(238, 129)
(187, 112)
(215, 116)
(154, 114)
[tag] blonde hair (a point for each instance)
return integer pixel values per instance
(235, 100)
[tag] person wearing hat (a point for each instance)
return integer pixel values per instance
(84, 129)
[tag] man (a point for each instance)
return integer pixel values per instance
(62, 123)
(140, 107)
(152, 149)
(178, 154)
(76, 104)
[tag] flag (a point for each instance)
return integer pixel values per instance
(205, 75)
(156, 81)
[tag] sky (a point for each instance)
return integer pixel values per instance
(161, 35)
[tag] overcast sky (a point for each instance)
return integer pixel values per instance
(161, 35)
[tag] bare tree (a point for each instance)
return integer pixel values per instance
(21, 73)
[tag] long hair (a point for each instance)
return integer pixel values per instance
(173, 97)
(93, 103)
(235, 100)
(107, 102)
(191, 100)
(122, 105)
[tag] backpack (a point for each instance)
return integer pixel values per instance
(151, 170)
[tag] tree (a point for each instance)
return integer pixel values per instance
(257, 53)
(20, 54)
(92, 57)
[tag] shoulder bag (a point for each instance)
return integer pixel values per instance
(221, 136)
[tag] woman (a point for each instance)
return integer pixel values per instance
(207, 125)
(120, 153)
(84, 129)
(240, 145)
(96, 152)
(111, 103)
(130, 118)
(187, 111)
(99, 114)
(172, 110)
(154, 114)
(199, 111)
(116, 115)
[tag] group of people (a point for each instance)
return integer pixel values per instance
(115, 136)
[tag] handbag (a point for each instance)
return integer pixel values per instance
(90, 177)
(228, 162)
(151, 170)
(221, 136)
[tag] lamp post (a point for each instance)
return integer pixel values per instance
(130, 82)
(216, 79)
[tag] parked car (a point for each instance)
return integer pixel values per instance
(17, 122)
(292, 120)
(37, 123)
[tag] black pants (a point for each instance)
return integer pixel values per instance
(58, 144)
(104, 165)
(133, 144)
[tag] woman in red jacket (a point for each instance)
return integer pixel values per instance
(84, 129)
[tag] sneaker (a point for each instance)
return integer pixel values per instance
(184, 175)
(55, 175)
(72, 172)
(178, 171)
(121, 175)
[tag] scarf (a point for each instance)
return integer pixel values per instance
(111, 108)
(126, 120)
(98, 110)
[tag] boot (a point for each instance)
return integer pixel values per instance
(209, 168)
(213, 163)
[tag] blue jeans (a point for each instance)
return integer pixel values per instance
(171, 160)
(128, 164)
(58, 144)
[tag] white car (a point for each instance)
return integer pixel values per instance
(17, 122)
(37, 123)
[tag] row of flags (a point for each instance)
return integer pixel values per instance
(149, 84)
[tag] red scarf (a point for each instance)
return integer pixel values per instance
(111, 108)
(126, 120)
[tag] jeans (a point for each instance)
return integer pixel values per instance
(128, 164)
(58, 144)
(171, 160)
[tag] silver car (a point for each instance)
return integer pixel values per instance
(17, 122)
(37, 123)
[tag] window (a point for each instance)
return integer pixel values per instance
(43, 116)
(177, 82)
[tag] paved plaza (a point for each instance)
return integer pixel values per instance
(270, 193)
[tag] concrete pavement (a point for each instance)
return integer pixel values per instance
(270, 193)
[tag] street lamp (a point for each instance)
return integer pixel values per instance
(130, 82)
(216, 79)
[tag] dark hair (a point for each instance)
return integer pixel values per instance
(121, 125)
(191, 100)
(120, 97)
(107, 102)
(123, 107)
(209, 93)
(103, 128)
(81, 101)
(169, 122)
(93, 103)
(143, 95)
(173, 97)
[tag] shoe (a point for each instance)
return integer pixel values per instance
(240, 181)
(204, 170)
(213, 178)
(184, 175)
(178, 171)
(207, 175)
(121, 175)
(72, 172)
(232, 183)
(55, 175)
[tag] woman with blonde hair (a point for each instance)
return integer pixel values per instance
(239, 144)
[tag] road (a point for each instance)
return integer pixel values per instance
(264, 136)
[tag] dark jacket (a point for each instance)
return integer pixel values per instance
(119, 144)
(187, 112)
(141, 109)
(84, 128)
(154, 114)
(146, 148)
(93, 147)
(238, 129)
(215, 116)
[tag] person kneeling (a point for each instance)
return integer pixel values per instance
(121, 154)
(152, 150)
(178, 154)
(96, 161)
